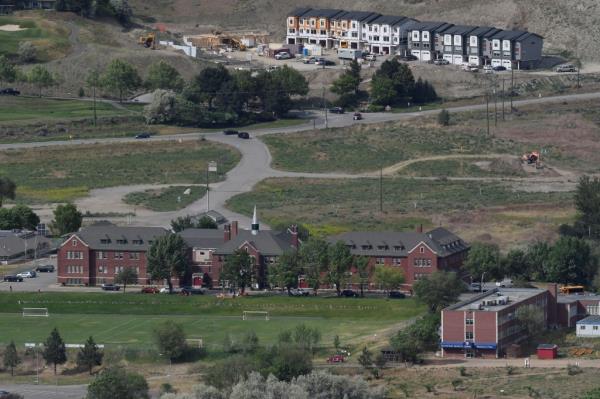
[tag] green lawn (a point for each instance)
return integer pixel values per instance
(166, 199)
(57, 174)
(50, 39)
(354, 203)
(128, 319)
(367, 147)
(31, 109)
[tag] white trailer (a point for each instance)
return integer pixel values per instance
(349, 54)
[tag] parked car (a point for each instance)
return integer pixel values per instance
(144, 135)
(9, 92)
(298, 292)
(335, 359)
(506, 283)
(110, 287)
(165, 290)
(230, 132)
(470, 68)
(475, 287)
(150, 290)
(187, 291)
(566, 68)
(45, 269)
(283, 56)
(337, 110)
(396, 295)
(357, 116)
(370, 57)
(309, 60)
(441, 61)
(13, 279)
(244, 135)
(350, 294)
(6, 395)
(408, 57)
(27, 274)
(499, 68)
(323, 61)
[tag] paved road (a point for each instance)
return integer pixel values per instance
(255, 164)
(31, 391)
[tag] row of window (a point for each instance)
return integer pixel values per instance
(102, 269)
(118, 255)
(123, 241)
(422, 263)
(74, 255)
(74, 281)
(74, 269)
(419, 276)
(582, 327)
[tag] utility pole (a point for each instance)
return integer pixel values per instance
(487, 112)
(381, 189)
(207, 192)
(495, 106)
(324, 107)
(503, 98)
(512, 88)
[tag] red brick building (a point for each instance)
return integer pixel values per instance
(417, 254)
(95, 254)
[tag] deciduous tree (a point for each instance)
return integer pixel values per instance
(238, 269)
(118, 383)
(89, 356)
(40, 77)
(284, 273)
(170, 339)
(11, 358)
(121, 77)
(162, 75)
(571, 262)
(127, 276)
(484, 259)
(8, 72)
(314, 255)
(55, 352)
(587, 202)
(167, 258)
(8, 189)
(438, 290)
(388, 278)
(338, 265)
(67, 219)
(362, 266)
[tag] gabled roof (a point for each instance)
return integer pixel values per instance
(298, 12)
(15, 243)
(594, 320)
(267, 242)
(484, 31)
(459, 30)
(361, 16)
(322, 13)
(399, 244)
(432, 26)
(514, 35)
(388, 20)
(203, 238)
(104, 237)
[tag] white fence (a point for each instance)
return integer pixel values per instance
(188, 49)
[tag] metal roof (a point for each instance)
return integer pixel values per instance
(388, 20)
(357, 16)
(515, 35)
(594, 320)
(298, 12)
(432, 26)
(15, 243)
(203, 238)
(111, 237)
(322, 13)
(512, 296)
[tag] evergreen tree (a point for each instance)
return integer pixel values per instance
(11, 357)
(89, 356)
(54, 350)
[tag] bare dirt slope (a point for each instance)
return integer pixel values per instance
(566, 24)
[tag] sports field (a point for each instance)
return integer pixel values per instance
(129, 319)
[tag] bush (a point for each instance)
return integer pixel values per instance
(27, 52)
(170, 340)
(444, 118)
(162, 109)
(375, 108)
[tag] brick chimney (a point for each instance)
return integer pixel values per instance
(420, 228)
(227, 232)
(552, 304)
(234, 229)
(294, 233)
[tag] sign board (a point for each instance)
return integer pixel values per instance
(212, 166)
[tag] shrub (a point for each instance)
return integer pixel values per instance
(26, 52)
(375, 108)
(444, 118)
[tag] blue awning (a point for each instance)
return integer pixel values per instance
(468, 345)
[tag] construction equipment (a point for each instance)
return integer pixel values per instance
(531, 158)
(148, 41)
(235, 43)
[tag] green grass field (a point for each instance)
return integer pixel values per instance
(50, 39)
(166, 199)
(31, 109)
(467, 167)
(128, 319)
(57, 174)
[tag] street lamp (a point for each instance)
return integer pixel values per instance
(481, 287)
(210, 167)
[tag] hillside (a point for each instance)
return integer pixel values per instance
(566, 24)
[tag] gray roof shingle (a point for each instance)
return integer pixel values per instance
(268, 242)
(119, 238)
(322, 13)
(298, 12)
(203, 238)
(356, 16)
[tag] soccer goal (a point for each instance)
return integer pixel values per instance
(35, 312)
(254, 314)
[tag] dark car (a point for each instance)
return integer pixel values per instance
(350, 294)
(13, 279)
(142, 136)
(10, 92)
(111, 287)
(499, 68)
(45, 269)
(150, 290)
(6, 394)
(396, 294)
(244, 135)
(407, 57)
(337, 110)
(187, 291)
(230, 132)
(298, 292)
(357, 116)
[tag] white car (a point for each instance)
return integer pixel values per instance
(283, 56)
(370, 57)
(27, 274)
(506, 283)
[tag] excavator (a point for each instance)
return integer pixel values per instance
(533, 158)
(148, 41)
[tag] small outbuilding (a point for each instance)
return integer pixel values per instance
(547, 351)
(588, 327)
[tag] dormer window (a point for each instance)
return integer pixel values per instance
(105, 241)
(122, 241)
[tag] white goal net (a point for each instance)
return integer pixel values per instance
(35, 312)
(255, 314)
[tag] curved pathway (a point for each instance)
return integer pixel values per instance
(255, 164)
